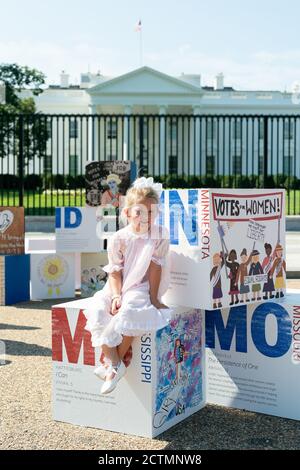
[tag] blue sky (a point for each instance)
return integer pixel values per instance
(256, 46)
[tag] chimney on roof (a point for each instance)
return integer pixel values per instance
(219, 83)
(64, 80)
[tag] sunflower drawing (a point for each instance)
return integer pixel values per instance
(53, 271)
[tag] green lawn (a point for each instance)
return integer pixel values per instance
(44, 204)
(293, 202)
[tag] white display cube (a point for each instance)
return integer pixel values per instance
(76, 230)
(163, 384)
(253, 357)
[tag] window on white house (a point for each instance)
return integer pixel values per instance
(173, 130)
(73, 129)
(111, 129)
(211, 129)
(288, 165)
(48, 164)
(237, 164)
(145, 130)
(49, 129)
(261, 129)
(73, 165)
(237, 129)
(210, 165)
(173, 164)
(261, 164)
(288, 129)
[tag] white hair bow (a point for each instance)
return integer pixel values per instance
(148, 183)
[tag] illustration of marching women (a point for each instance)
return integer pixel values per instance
(255, 277)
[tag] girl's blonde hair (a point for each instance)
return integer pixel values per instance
(136, 196)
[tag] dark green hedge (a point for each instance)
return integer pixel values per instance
(39, 183)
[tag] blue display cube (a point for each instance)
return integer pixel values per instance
(14, 279)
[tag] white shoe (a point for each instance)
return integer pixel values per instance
(110, 385)
(101, 372)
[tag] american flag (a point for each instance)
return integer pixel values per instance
(138, 26)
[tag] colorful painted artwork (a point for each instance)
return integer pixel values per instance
(179, 373)
(107, 182)
(93, 278)
(12, 230)
(52, 275)
(106, 186)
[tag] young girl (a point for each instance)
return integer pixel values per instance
(138, 275)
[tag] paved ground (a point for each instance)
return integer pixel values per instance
(25, 400)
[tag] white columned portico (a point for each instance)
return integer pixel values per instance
(197, 149)
(92, 133)
(162, 139)
(126, 133)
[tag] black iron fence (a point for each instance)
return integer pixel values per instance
(43, 157)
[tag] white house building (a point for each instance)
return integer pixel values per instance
(169, 124)
(147, 91)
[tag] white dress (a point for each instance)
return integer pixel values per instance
(132, 253)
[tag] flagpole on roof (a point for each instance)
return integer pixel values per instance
(138, 28)
(141, 48)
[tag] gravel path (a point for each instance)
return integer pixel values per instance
(25, 399)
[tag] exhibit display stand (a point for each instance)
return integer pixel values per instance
(228, 292)
(157, 392)
(14, 264)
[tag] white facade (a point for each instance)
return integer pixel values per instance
(148, 92)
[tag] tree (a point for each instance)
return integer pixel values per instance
(22, 129)
(17, 78)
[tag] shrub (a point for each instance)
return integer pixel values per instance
(33, 182)
(8, 181)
